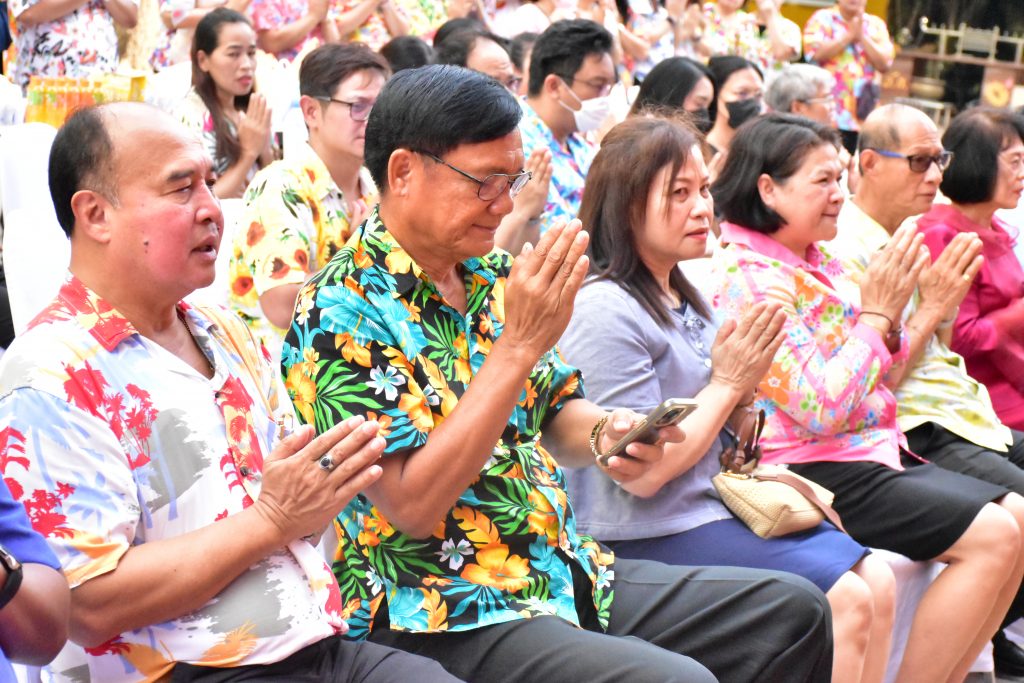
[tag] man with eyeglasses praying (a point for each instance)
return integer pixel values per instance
(947, 416)
(466, 549)
(571, 74)
(299, 211)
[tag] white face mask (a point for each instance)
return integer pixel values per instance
(592, 112)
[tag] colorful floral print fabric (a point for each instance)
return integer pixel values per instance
(823, 395)
(82, 43)
(111, 442)
(373, 336)
(295, 219)
(851, 67)
(569, 166)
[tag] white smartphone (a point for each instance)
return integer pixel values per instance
(670, 412)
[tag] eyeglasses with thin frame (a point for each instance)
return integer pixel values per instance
(920, 163)
(359, 111)
(492, 185)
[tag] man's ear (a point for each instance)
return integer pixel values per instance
(312, 111)
(92, 215)
(552, 84)
(403, 166)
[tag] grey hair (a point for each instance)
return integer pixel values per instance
(797, 83)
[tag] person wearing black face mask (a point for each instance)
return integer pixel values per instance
(678, 83)
(739, 97)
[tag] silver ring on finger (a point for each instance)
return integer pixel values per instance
(326, 462)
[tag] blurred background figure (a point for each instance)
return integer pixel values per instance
(739, 97)
(856, 49)
(678, 83)
(986, 174)
(407, 52)
(222, 108)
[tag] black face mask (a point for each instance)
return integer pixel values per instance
(701, 120)
(742, 111)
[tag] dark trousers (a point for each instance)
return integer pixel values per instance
(691, 624)
(951, 452)
(331, 659)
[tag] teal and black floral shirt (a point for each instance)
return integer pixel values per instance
(373, 336)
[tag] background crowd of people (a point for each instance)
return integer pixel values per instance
(509, 232)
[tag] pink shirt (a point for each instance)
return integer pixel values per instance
(987, 330)
(823, 396)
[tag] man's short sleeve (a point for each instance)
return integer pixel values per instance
(72, 476)
(277, 244)
(17, 534)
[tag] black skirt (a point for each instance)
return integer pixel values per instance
(919, 512)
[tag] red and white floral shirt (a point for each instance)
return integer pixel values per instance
(110, 441)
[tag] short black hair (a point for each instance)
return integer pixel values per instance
(976, 137)
(668, 84)
(328, 65)
(776, 144)
(452, 26)
(520, 46)
(81, 158)
(407, 52)
(435, 109)
(561, 49)
(721, 68)
(458, 46)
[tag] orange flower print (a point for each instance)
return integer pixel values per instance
(351, 351)
(302, 390)
(241, 286)
(414, 404)
(255, 233)
(495, 567)
(278, 268)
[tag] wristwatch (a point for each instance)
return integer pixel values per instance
(13, 581)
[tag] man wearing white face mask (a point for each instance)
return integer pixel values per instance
(571, 74)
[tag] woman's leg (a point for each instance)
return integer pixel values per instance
(862, 602)
(1014, 504)
(882, 584)
(970, 594)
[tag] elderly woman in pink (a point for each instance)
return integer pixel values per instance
(831, 416)
(986, 174)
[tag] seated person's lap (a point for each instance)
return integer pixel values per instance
(919, 512)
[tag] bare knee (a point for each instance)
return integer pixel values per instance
(877, 575)
(853, 607)
(994, 537)
(1014, 504)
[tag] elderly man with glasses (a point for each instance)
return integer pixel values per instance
(466, 549)
(947, 415)
(299, 211)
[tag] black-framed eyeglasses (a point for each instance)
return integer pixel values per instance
(359, 111)
(493, 185)
(920, 163)
(600, 86)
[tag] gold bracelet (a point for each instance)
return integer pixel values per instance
(595, 434)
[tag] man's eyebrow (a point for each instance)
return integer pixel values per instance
(182, 174)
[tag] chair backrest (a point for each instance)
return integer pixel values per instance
(35, 250)
(980, 40)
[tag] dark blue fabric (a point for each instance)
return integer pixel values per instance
(17, 536)
(820, 555)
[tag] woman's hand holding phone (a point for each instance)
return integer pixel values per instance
(637, 457)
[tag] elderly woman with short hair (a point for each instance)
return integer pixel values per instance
(985, 175)
(830, 414)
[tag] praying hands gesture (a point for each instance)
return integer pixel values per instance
(891, 277)
(542, 286)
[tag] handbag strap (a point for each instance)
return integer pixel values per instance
(801, 486)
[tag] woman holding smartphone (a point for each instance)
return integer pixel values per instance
(642, 333)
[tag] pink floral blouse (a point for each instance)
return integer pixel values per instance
(823, 396)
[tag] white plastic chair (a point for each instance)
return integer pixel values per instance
(35, 250)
